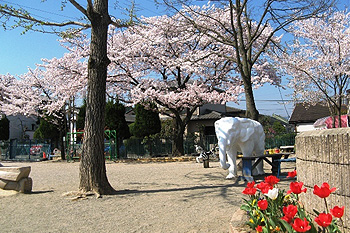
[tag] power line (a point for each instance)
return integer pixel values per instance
(268, 100)
(285, 108)
(40, 10)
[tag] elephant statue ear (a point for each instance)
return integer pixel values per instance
(246, 133)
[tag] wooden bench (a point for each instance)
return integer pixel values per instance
(249, 163)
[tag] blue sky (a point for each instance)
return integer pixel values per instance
(18, 52)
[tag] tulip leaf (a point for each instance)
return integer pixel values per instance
(288, 228)
(245, 208)
(316, 212)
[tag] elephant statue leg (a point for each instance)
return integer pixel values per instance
(222, 154)
(231, 157)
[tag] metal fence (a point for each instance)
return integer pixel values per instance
(280, 140)
(131, 148)
(136, 147)
(25, 149)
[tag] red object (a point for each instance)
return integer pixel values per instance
(44, 155)
(292, 174)
(301, 225)
(324, 220)
(250, 190)
(323, 191)
(296, 187)
(344, 122)
(288, 220)
(264, 187)
(272, 180)
(259, 228)
(337, 211)
(263, 204)
(290, 211)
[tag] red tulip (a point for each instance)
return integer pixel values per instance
(264, 187)
(323, 219)
(263, 204)
(301, 225)
(296, 187)
(290, 211)
(337, 211)
(288, 220)
(250, 190)
(292, 174)
(272, 180)
(323, 191)
(259, 228)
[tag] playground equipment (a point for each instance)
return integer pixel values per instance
(75, 145)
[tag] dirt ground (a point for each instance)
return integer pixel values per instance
(151, 197)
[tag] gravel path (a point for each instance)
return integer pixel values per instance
(152, 197)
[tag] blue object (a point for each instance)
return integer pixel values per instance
(289, 160)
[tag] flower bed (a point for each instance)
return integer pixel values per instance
(273, 210)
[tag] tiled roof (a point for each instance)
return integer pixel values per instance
(308, 114)
(213, 115)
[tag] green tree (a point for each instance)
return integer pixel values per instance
(4, 128)
(115, 119)
(147, 121)
(146, 125)
(48, 130)
(81, 116)
(279, 128)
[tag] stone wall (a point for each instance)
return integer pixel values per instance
(324, 156)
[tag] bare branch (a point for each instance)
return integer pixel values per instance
(79, 7)
(28, 22)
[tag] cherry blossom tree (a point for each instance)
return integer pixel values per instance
(249, 29)
(164, 60)
(319, 60)
(95, 17)
(46, 90)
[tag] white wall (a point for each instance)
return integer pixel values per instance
(21, 124)
(305, 127)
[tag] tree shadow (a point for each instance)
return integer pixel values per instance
(40, 192)
(151, 191)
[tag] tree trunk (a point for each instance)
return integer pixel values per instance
(61, 144)
(178, 138)
(178, 145)
(62, 133)
(92, 166)
(251, 111)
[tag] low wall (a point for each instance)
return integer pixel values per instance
(324, 156)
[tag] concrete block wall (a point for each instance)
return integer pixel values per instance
(324, 156)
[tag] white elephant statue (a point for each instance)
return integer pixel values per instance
(239, 134)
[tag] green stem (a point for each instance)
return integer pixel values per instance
(325, 202)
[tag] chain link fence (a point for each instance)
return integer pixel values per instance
(25, 149)
(131, 148)
(136, 147)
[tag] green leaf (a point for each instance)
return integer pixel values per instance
(265, 230)
(246, 208)
(316, 212)
(286, 226)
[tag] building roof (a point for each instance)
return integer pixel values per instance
(212, 115)
(308, 113)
